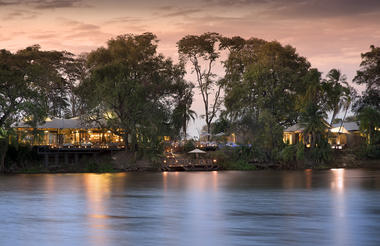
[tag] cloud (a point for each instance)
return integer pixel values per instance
(43, 4)
(181, 12)
(53, 4)
(6, 3)
(20, 14)
(123, 20)
(304, 8)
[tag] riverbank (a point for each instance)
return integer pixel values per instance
(126, 162)
(143, 166)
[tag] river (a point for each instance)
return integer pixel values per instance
(331, 207)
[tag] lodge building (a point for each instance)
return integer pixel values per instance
(67, 133)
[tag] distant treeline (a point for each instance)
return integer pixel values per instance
(128, 85)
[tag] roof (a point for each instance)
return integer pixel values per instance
(197, 151)
(349, 126)
(73, 123)
(295, 128)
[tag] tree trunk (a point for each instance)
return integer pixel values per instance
(184, 127)
(208, 132)
(3, 152)
(133, 141)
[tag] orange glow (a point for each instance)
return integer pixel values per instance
(338, 180)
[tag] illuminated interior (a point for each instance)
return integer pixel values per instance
(96, 137)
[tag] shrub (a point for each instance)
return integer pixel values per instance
(288, 154)
(373, 151)
(300, 153)
(189, 146)
(99, 167)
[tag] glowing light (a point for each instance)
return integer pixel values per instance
(338, 182)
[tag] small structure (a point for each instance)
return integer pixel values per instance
(340, 135)
(294, 134)
(197, 152)
(345, 134)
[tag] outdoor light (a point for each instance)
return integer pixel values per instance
(214, 160)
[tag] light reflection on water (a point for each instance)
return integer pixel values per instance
(333, 207)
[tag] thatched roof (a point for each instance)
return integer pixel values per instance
(73, 123)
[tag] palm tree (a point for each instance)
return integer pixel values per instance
(313, 120)
(349, 95)
(335, 92)
(182, 114)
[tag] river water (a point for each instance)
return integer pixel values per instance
(332, 207)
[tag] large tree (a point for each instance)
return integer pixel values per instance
(56, 75)
(368, 105)
(21, 97)
(338, 93)
(203, 52)
(130, 86)
(262, 83)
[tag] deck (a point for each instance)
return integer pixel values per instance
(173, 164)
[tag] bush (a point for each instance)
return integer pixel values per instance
(288, 154)
(320, 154)
(189, 146)
(300, 153)
(238, 165)
(373, 151)
(99, 167)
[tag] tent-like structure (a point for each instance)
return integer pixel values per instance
(197, 152)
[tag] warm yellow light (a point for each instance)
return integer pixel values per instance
(214, 160)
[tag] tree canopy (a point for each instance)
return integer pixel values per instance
(132, 88)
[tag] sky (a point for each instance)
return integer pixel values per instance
(330, 33)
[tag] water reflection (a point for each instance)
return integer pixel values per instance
(334, 207)
(338, 179)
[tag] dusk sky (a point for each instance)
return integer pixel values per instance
(330, 33)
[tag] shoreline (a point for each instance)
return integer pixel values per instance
(361, 164)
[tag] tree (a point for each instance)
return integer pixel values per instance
(369, 123)
(367, 107)
(262, 83)
(55, 75)
(369, 73)
(336, 88)
(131, 88)
(202, 52)
(20, 97)
(182, 113)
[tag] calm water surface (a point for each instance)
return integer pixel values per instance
(334, 207)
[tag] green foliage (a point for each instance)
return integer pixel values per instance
(262, 85)
(234, 158)
(321, 153)
(221, 125)
(368, 105)
(182, 113)
(373, 151)
(300, 152)
(238, 165)
(288, 153)
(202, 52)
(369, 119)
(99, 167)
(132, 89)
(189, 145)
